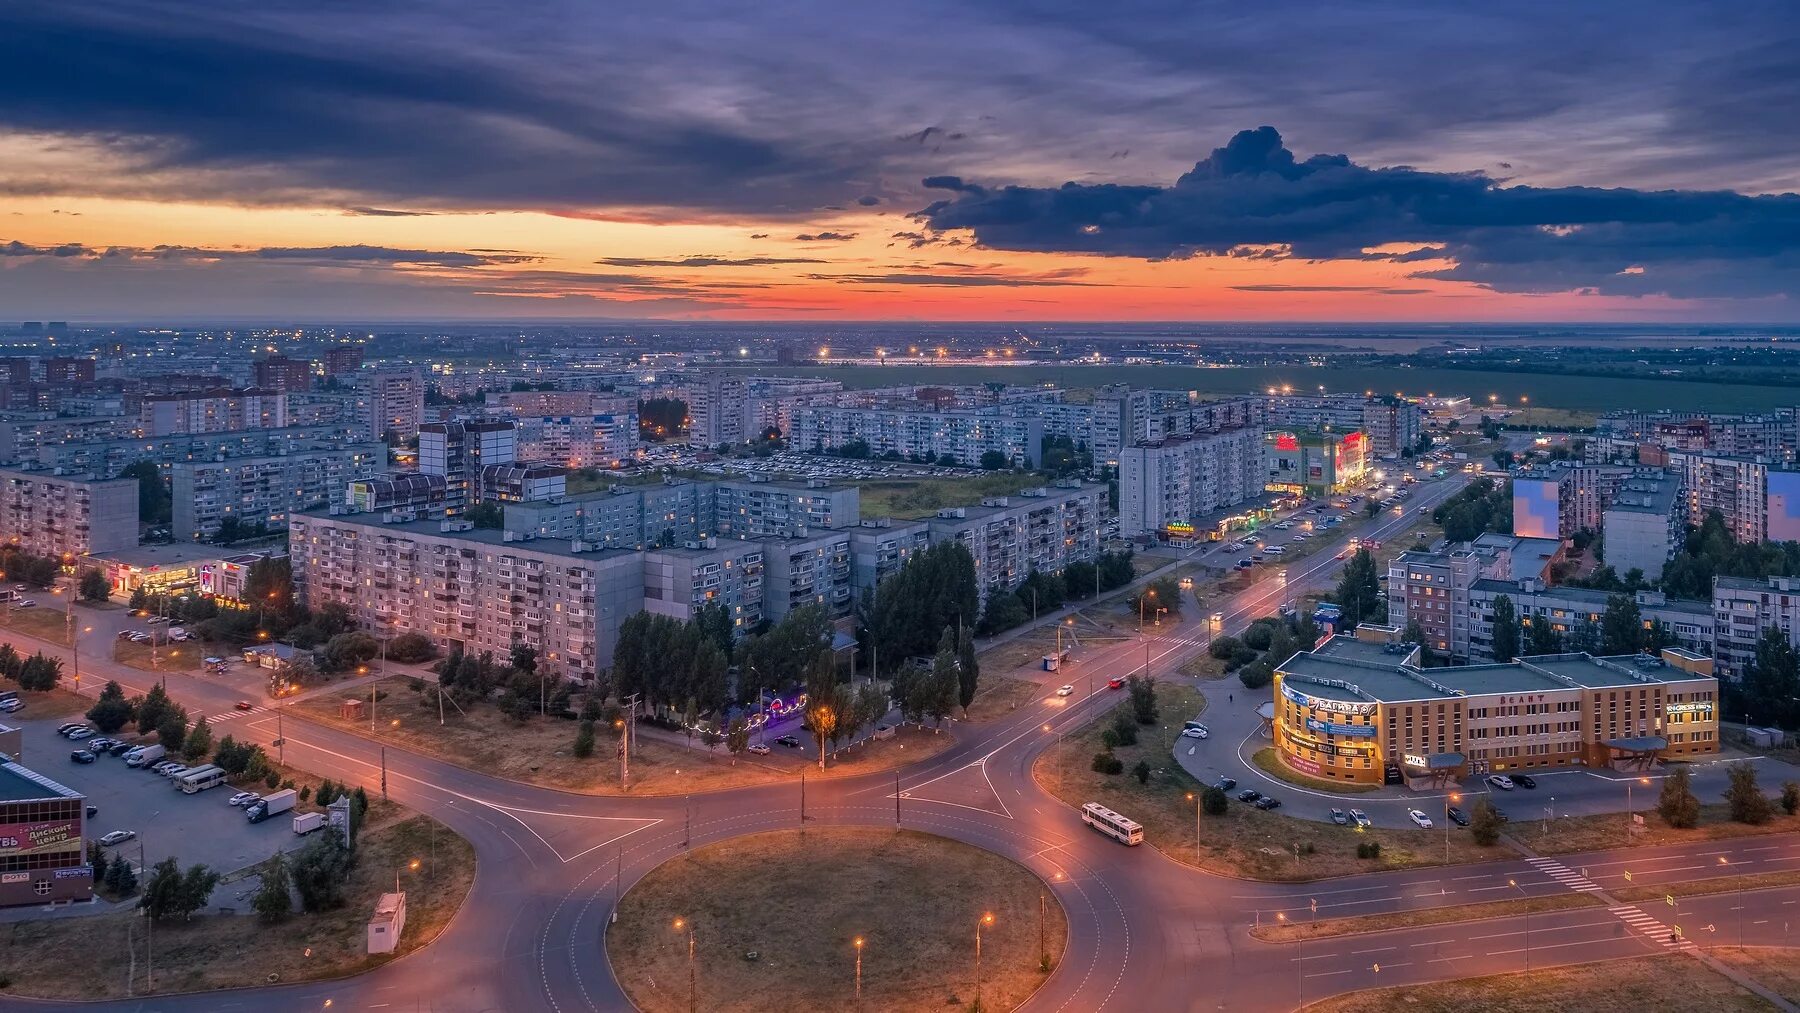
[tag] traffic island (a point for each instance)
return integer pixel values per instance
(1676, 981)
(1243, 841)
(773, 921)
(1571, 834)
(92, 958)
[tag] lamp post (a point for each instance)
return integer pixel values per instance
(1515, 885)
(1630, 813)
(1149, 592)
(1452, 797)
(859, 948)
(986, 919)
(683, 925)
(1281, 920)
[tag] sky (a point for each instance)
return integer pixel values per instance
(839, 159)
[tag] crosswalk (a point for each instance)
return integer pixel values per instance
(1184, 641)
(1658, 933)
(1563, 874)
(232, 715)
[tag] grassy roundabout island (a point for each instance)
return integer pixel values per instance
(800, 899)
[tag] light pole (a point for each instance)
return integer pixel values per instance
(986, 919)
(1515, 885)
(859, 946)
(1149, 592)
(681, 925)
(1630, 813)
(1281, 920)
(1452, 797)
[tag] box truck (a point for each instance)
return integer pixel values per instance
(306, 823)
(273, 805)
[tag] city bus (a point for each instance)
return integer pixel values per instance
(196, 781)
(1112, 824)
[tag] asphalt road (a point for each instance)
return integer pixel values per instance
(1144, 932)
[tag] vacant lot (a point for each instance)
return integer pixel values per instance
(1243, 842)
(911, 498)
(88, 958)
(40, 622)
(541, 750)
(1616, 986)
(168, 657)
(800, 899)
(1595, 833)
(1776, 968)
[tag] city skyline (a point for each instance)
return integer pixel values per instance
(816, 163)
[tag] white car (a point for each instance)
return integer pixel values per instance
(243, 798)
(117, 837)
(757, 749)
(1194, 732)
(1066, 690)
(1423, 821)
(82, 733)
(174, 770)
(1500, 781)
(1360, 818)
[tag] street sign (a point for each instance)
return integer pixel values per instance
(1637, 818)
(1313, 902)
(1627, 875)
(1669, 898)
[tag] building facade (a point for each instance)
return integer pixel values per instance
(43, 851)
(1575, 613)
(963, 437)
(51, 515)
(1742, 609)
(1174, 482)
(264, 490)
(218, 410)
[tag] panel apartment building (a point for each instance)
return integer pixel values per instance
(1575, 614)
(53, 515)
(1742, 609)
(1759, 501)
(1123, 417)
(1392, 424)
(1771, 436)
(1043, 529)
(264, 490)
(964, 437)
(218, 410)
(1178, 481)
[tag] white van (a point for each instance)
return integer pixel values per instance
(1274, 550)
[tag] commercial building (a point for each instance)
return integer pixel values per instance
(264, 490)
(218, 410)
(964, 437)
(52, 515)
(43, 854)
(1318, 462)
(1393, 425)
(1645, 524)
(1170, 484)
(1359, 707)
(1575, 614)
(1742, 609)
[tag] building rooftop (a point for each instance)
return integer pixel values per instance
(22, 784)
(1595, 599)
(1348, 669)
(167, 554)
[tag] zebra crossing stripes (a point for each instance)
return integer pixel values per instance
(1183, 641)
(234, 714)
(1563, 874)
(1659, 933)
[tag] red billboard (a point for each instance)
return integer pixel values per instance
(25, 838)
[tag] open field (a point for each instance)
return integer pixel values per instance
(1243, 842)
(1614, 986)
(169, 657)
(1776, 968)
(1596, 833)
(55, 703)
(1302, 929)
(89, 958)
(1580, 393)
(40, 622)
(540, 750)
(998, 696)
(912, 498)
(800, 899)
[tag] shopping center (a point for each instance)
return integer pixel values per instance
(1359, 708)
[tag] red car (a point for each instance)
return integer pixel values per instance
(1115, 683)
(244, 705)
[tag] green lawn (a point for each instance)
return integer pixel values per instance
(908, 499)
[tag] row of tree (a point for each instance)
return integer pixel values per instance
(1620, 630)
(38, 673)
(1481, 506)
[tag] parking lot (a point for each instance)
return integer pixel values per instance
(193, 828)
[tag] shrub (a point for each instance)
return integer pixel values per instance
(1125, 728)
(1214, 802)
(1107, 763)
(1790, 798)
(1223, 648)
(1260, 635)
(1141, 772)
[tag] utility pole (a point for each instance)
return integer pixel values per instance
(384, 793)
(149, 935)
(687, 835)
(896, 803)
(803, 798)
(625, 743)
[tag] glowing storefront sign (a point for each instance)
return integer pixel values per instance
(1414, 760)
(1329, 728)
(1690, 708)
(1320, 703)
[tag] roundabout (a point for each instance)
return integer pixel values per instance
(828, 917)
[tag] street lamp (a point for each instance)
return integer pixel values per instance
(986, 919)
(681, 925)
(1630, 813)
(1149, 592)
(1452, 797)
(1515, 885)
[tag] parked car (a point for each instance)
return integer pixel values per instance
(1065, 690)
(1457, 816)
(1500, 814)
(1524, 780)
(117, 837)
(1500, 781)
(101, 745)
(788, 741)
(67, 727)
(120, 748)
(1225, 783)
(1267, 802)
(242, 798)
(83, 732)
(1249, 795)
(757, 749)
(1360, 818)
(82, 756)
(1338, 817)
(27, 603)
(1419, 819)
(11, 705)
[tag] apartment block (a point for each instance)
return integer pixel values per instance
(1565, 497)
(279, 372)
(1123, 417)
(392, 402)
(1171, 483)
(476, 588)
(1041, 529)
(1392, 424)
(23, 435)
(343, 359)
(588, 440)
(759, 509)
(881, 547)
(803, 571)
(1772, 436)
(1759, 501)
(726, 408)
(1742, 609)
(403, 492)
(217, 410)
(109, 457)
(458, 450)
(265, 490)
(1575, 614)
(625, 517)
(961, 436)
(521, 482)
(52, 515)
(1435, 589)
(1646, 523)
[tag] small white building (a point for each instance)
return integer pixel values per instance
(388, 923)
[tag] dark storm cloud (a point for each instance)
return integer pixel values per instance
(825, 237)
(18, 249)
(1254, 193)
(706, 261)
(364, 255)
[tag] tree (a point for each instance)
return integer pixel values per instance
(1141, 772)
(737, 738)
(910, 608)
(1677, 805)
(121, 881)
(172, 732)
(1542, 638)
(968, 669)
(1162, 593)
(94, 586)
(1003, 612)
(272, 901)
(1213, 801)
(584, 740)
(1622, 626)
(994, 460)
(320, 872)
(162, 892)
(154, 499)
(487, 515)
(348, 650)
(1143, 698)
(1748, 803)
(1484, 823)
(823, 707)
(411, 648)
(1772, 679)
(1124, 730)
(40, 673)
(199, 740)
(112, 711)
(1790, 797)
(1505, 621)
(662, 418)
(197, 885)
(1359, 591)
(96, 858)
